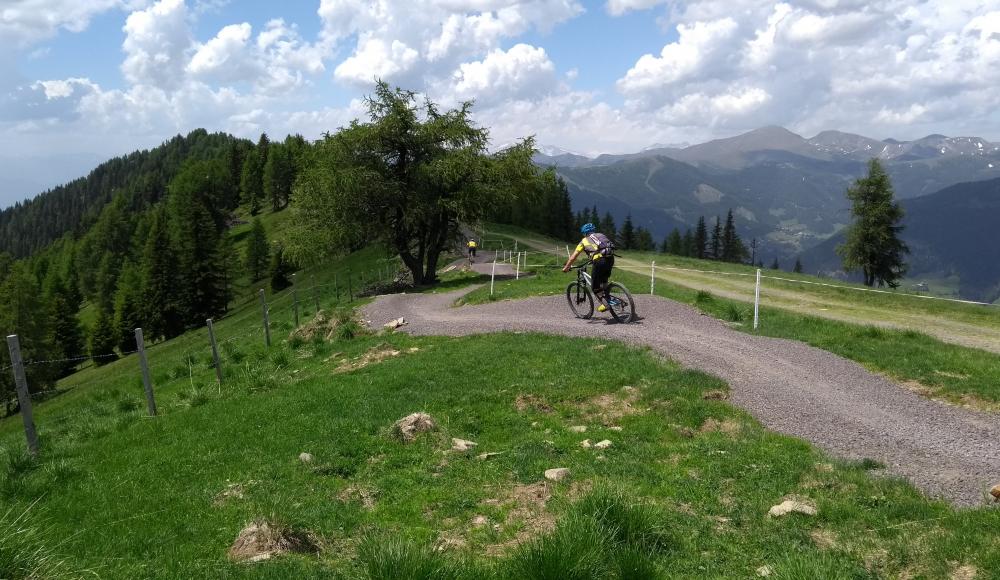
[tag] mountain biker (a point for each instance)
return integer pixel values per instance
(472, 248)
(600, 250)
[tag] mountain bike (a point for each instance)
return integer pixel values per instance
(580, 295)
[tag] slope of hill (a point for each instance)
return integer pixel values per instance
(951, 233)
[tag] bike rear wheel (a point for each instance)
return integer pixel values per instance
(620, 303)
(581, 302)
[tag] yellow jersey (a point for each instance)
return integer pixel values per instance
(472, 243)
(591, 245)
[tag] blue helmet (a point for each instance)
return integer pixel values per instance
(587, 228)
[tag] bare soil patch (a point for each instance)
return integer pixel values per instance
(529, 402)
(262, 540)
(374, 355)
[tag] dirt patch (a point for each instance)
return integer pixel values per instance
(951, 375)
(527, 503)
(966, 572)
(727, 426)
(824, 539)
(715, 395)
(363, 495)
(233, 491)
(529, 402)
(609, 408)
(262, 540)
(375, 355)
(321, 326)
(966, 400)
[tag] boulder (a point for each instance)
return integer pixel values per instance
(412, 425)
(585, 444)
(394, 324)
(995, 492)
(602, 444)
(461, 444)
(557, 474)
(791, 506)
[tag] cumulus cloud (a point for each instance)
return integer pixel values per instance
(24, 22)
(524, 71)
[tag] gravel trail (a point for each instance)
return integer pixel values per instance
(792, 388)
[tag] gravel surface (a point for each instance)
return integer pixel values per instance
(792, 388)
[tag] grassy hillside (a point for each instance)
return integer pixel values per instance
(903, 337)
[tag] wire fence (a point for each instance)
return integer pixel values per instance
(199, 347)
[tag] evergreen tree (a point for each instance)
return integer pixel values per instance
(252, 182)
(22, 312)
(67, 334)
(608, 226)
(107, 281)
(715, 245)
(627, 236)
(158, 296)
(280, 270)
(674, 243)
(595, 218)
(257, 257)
(128, 307)
(798, 266)
(233, 160)
(278, 175)
(690, 244)
(196, 240)
(103, 338)
(700, 240)
(872, 241)
(644, 240)
(733, 249)
(775, 265)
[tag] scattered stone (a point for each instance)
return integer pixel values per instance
(789, 506)
(480, 521)
(599, 346)
(585, 444)
(578, 429)
(262, 540)
(615, 428)
(394, 324)
(557, 474)
(413, 349)
(995, 492)
(602, 444)
(461, 444)
(490, 455)
(305, 457)
(765, 571)
(715, 395)
(412, 425)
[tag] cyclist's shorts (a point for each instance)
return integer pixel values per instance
(601, 272)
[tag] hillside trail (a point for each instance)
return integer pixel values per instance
(742, 288)
(947, 452)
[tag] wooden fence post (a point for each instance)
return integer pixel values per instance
(215, 350)
(23, 396)
(147, 382)
(267, 321)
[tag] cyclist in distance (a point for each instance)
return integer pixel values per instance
(600, 249)
(472, 249)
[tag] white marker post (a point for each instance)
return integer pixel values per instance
(492, 276)
(756, 303)
(517, 271)
(652, 276)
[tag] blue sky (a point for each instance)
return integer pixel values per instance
(85, 80)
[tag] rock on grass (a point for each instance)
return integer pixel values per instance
(995, 492)
(461, 444)
(791, 506)
(557, 474)
(262, 540)
(412, 425)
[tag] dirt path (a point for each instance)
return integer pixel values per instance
(790, 387)
(777, 295)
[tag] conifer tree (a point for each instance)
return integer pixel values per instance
(674, 243)
(872, 241)
(257, 257)
(715, 245)
(280, 270)
(775, 265)
(158, 281)
(252, 182)
(733, 249)
(103, 338)
(688, 243)
(644, 240)
(700, 240)
(595, 218)
(278, 176)
(22, 312)
(67, 334)
(608, 226)
(798, 266)
(128, 307)
(627, 236)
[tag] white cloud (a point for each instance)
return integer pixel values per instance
(376, 58)
(25, 22)
(524, 71)
(157, 41)
(619, 7)
(61, 89)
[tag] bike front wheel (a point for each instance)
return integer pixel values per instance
(620, 303)
(581, 302)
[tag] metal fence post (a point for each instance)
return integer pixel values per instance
(147, 382)
(652, 276)
(267, 321)
(215, 350)
(23, 396)
(756, 302)
(492, 276)
(517, 270)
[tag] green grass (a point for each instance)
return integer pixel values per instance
(128, 496)
(948, 371)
